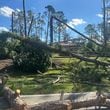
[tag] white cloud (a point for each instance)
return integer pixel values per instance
(3, 29)
(18, 10)
(99, 15)
(6, 11)
(76, 22)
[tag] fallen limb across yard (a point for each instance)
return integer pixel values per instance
(66, 53)
(70, 105)
(39, 44)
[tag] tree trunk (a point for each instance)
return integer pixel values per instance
(59, 34)
(24, 13)
(104, 24)
(70, 105)
(84, 36)
(48, 24)
(12, 22)
(30, 27)
(51, 30)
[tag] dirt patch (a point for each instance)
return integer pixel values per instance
(5, 65)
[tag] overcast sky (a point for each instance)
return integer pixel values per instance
(78, 12)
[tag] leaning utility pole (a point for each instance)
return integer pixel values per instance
(24, 15)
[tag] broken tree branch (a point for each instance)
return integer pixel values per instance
(40, 44)
(84, 36)
(67, 53)
(57, 80)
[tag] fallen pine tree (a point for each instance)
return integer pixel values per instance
(34, 43)
(70, 105)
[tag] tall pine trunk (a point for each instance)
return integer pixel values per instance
(48, 24)
(104, 24)
(12, 22)
(24, 14)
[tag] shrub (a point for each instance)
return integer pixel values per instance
(26, 56)
(6, 44)
(31, 59)
(3, 53)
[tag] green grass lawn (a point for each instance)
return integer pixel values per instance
(43, 83)
(39, 84)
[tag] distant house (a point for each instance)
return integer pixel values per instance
(73, 44)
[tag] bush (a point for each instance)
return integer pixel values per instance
(6, 44)
(30, 59)
(3, 53)
(26, 56)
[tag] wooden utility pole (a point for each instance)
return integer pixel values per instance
(24, 14)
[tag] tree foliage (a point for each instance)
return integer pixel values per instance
(29, 59)
(25, 57)
(88, 72)
(5, 48)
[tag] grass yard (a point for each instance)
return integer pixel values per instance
(39, 84)
(44, 83)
